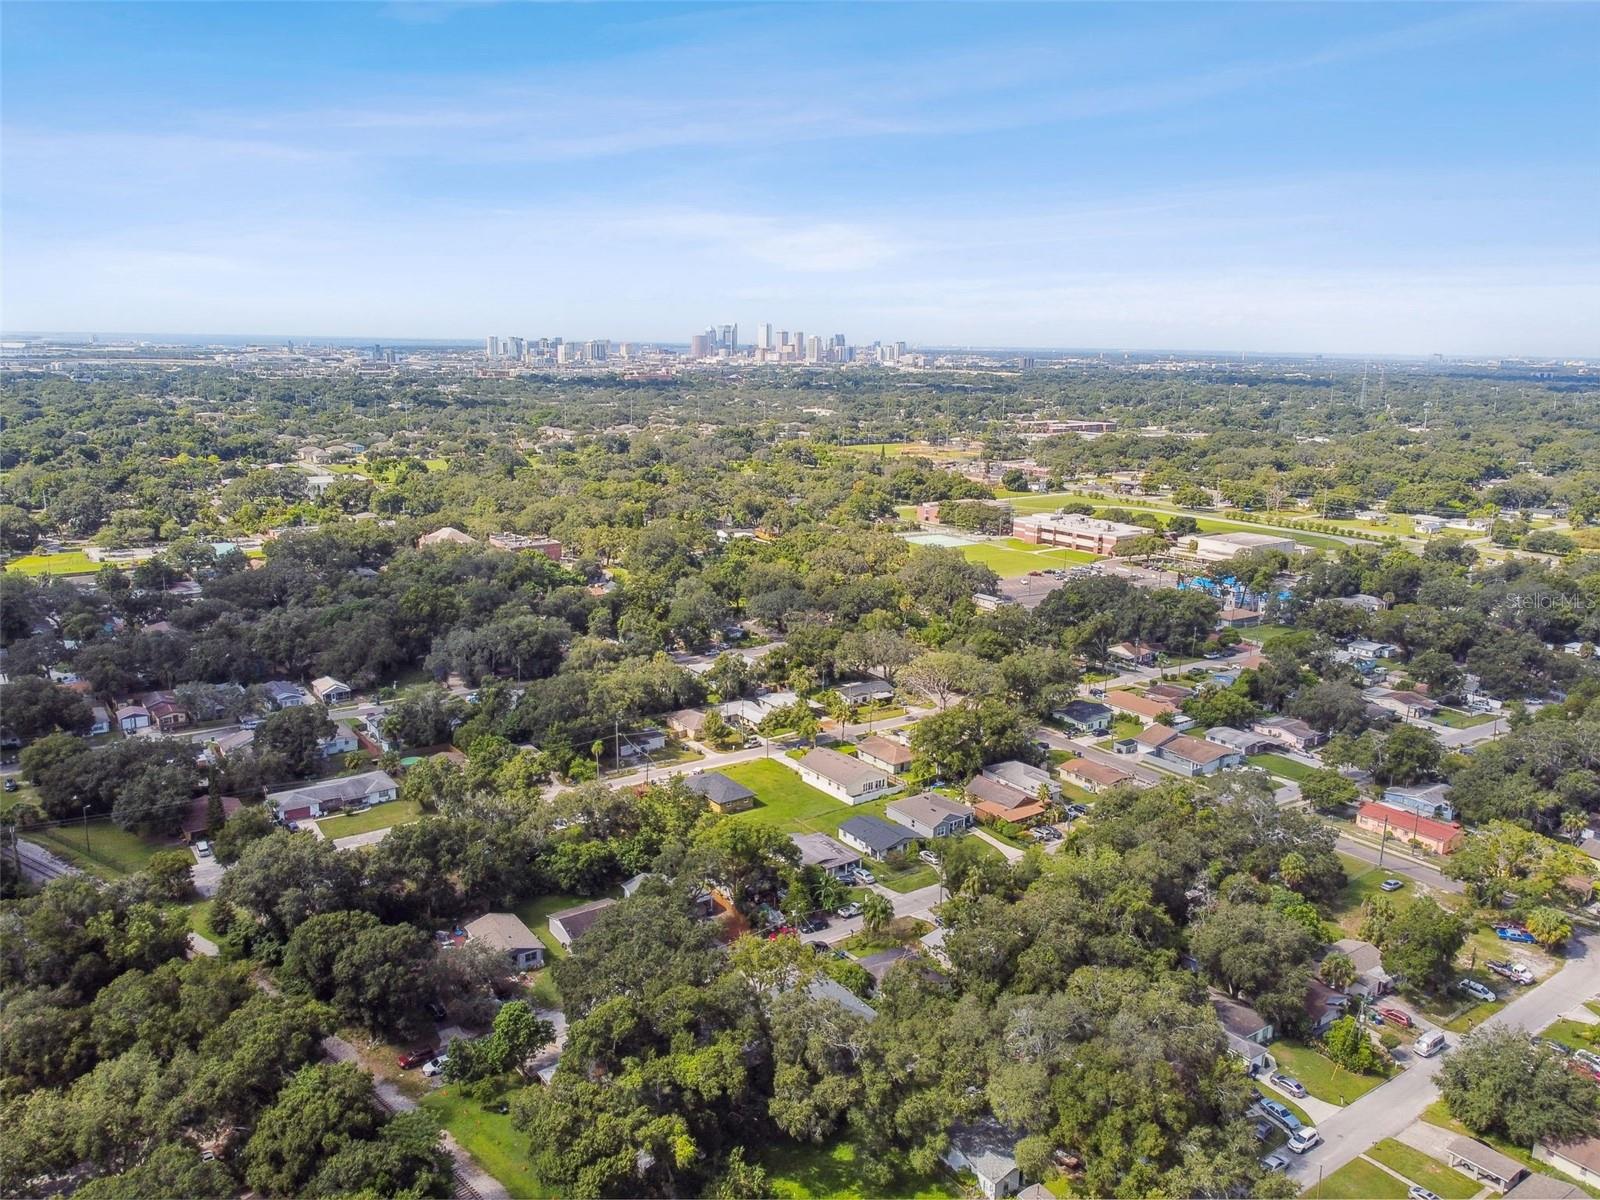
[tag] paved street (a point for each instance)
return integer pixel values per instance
(1385, 1111)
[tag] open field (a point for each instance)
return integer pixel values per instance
(1049, 502)
(1425, 1170)
(110, 852)
(73, 562)
(797, 1171)
(379, 816)
(910, 450)
(490, 1138)
(1284, 768)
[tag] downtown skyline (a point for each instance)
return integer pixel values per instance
(1381, 180)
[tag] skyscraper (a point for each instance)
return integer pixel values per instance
(491, 347)
(764, 336)
(700, 345)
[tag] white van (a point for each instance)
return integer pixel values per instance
(1428, 1044)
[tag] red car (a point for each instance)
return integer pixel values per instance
(1396, 1016)
(415, 1058)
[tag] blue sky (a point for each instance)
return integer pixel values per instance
(1346, 177)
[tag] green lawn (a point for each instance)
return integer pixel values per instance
(1052, 556)
(1359, 1180)
(1049, 502)
(1284, 768)
(379, 816)
(1323, 1078)
(1125, 726)
(784, 799)
(490, 1138)
(1424, 1169)
(200, 920)
(805, 1172)
(1363, 880)
(1006, 562)
(72, 562)
(900, 932)
(1438, 1113)
(1454, 718)
(111, 852)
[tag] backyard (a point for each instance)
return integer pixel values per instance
(797, 1171)
(1281, 766)
(536, 914)
(1323, 1077)
(490, 1138)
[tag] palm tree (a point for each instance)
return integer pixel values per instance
(597, 750)
(1573, 824)
(876, 912)
(1337, 970)
(1293, 869)
(831, 893)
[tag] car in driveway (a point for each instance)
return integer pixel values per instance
(1274, 1162)
(929, 857)
(1550, 1044)
(1392, 885)
(203, 848)
(1516, 972)
(1287, 1083)
(434, 1066)
(849, 910)
(1302, 1140)
(864, 876)
(1396, 1016)
(416, 1057)
(1281, 1115)
(1513, 933)
(1475, 989)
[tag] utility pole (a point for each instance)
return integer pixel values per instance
(86, 829)
(1383, 841)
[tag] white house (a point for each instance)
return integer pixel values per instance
(329, 690)
(341, 741)
(101, 720)
(283, 694)
(505, 931)
(988, 1150)
(133, 717)
(930, 815)
(1023, 777)
(332, 795)
(850, 779)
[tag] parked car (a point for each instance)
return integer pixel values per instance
(11, 784)
(929, 857)
(293, 827)
(249, 722)
(415, 1058)
(1397, 1016)
(434, 1066)
(203, 848)
(1475, 989)
(1304, 1139)
(1275, 1162)
(849, 910)
(1281, 1115)
(813, 924)
(1418, 1192)
(1587, 1056)
(818, 947)
(1077, 810)
(864, 876)
(1263, 1131)
(1287, 1083)
(1392, 885)
(1517, 972)
(1513, 933)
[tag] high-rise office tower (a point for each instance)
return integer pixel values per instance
(491, 347)
(813, 349)
(517, 345)
(700, 345)
(838, 340)
(764, 336)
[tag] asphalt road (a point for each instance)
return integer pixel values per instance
(1386, 1110)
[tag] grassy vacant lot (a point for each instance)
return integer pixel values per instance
(111, 852)
(1363, 880)
(899, 932)
(1454, 718)
(72, 562)
(1284, 768)
(379, 816)
(490, 1138)
(1421, 1168)
(1359, 1180)
(1324, 1078)
(803, 1172)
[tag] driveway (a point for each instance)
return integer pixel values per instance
(206, 873)
(1387, 1110)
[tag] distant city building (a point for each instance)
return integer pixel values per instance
(764, 336)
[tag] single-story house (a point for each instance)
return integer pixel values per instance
(1403, 703)
(1238, 618)
(505, 931)
(633, 883)
(1172, 692)
(1437, 837)
(1146, 709)
(1371, 979)
(821, 987)
(875, 837)
(1256, 1058)
(880, 964)
(1323, 1005)
(1580, 1159)
(448, 536)
(1500, 1171)
(570, 924)
(989, 1150)
(226, 744)
(1187, 755)
(997, 799)
(823, 852)
(686, 722)
(1370, 651)
(1023, 777)
(1238, 739)
(166, 714)
(930, 815)
(282, 694)
(1430, 801)
(1373, 604)
(196, 823)
(133, 717)
(1084, 716)
(1141, 656)
(329, 690)
(865, 691)
(332, 795)
(884, 754)
(1290, 731)
(849, 779)
(1094, 777)
(1241, 1020)
(100, 720)
(722, 794)
(341, 741)
(645, 739)
(1539, 1186)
